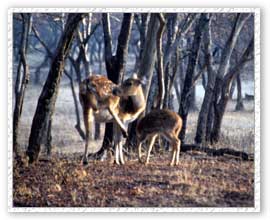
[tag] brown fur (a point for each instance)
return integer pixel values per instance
(160, 122)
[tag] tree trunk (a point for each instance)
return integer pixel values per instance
(226, 56)
(193, 106)
(207, 101)
(142, 26)
(185, 96)
(47, 99)
(21, 80)
(149, 53)
(209, 123)
(161, 84)
(168, 94)
(220, 107)
(239, 105)
(220, 98)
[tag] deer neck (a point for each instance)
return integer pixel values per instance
(138, 101)
(133, 105)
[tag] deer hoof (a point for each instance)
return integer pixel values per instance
(171, 164)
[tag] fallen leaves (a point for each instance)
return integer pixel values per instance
(64, 182)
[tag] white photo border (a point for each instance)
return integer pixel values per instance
(256, 12)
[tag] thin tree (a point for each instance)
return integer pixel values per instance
(211, 75)
(21, 80)
(221, 105)
(188, 83)
(160, 70)
(222, 71)
(47, 99)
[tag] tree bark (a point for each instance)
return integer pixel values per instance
(185, 96)
(224, 67)
(222, 103)
(206, 105)
(160, 70)
(47, 99)
(239, 105)
(21, 80)
(149, 53)
(142, 27)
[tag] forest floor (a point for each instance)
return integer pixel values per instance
(198, 181)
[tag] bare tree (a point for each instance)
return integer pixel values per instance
(187, 89)
(141, 21)
(220, 106)
(21, 79)
(222, 71)
(160, 70)
(207, 100)
(47, 99)
(149, 53)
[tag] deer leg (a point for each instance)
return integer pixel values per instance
(178, 152)
(116, 144)
(117, 154)
(139, 147)
(152, 141)
(119, 122)
(88, 121)
(119, 143)
(121, 152)
(174, 141)
(140, 141)
(173, 157)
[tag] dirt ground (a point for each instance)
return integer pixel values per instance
(199, 181)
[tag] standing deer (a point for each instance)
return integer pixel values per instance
(104, 101)
(160, 122)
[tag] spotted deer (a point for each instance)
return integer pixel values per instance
(164, 122)
(103, 101)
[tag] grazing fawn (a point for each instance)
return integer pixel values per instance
(160, 122)
(103, 101)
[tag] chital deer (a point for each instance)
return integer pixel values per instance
(103, 101)
(160, 122)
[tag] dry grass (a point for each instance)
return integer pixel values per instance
(198, 181)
